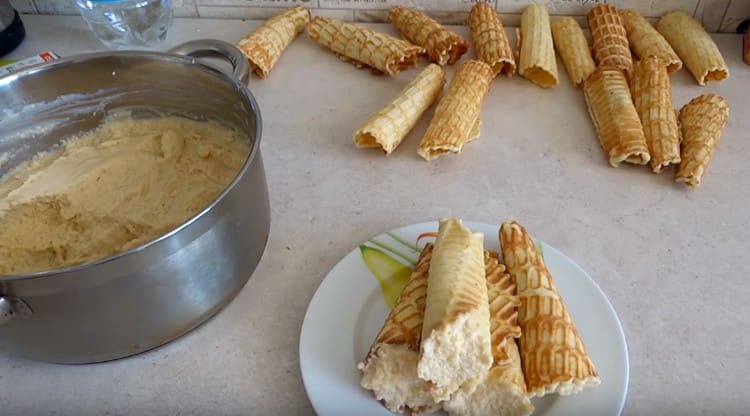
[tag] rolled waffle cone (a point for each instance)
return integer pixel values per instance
(694, 46)
(609, 38)
(652, 98)
(573, 48)
(536, 61)
(456, 119)
(614, 117)
(442, 45)
(455, 346)
(646, 41)
(501, 291)
(264, 46)
(702, 121)
(502, 391)
(552, 353)
(388, 127)
(364, 47)
(490, 41)
(390, 368)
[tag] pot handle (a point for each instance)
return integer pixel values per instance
(217, 48)
(11, 307)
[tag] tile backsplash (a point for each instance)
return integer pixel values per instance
(716, 15)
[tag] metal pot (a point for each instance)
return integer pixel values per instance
(152, 294)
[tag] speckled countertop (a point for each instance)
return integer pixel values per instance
(673, 262)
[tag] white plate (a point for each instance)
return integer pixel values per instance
(348, 309)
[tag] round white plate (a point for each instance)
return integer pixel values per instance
(348, 309)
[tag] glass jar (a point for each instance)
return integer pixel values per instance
(123, 24)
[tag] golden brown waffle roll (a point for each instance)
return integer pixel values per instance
(652, 97)
(490, 41)
(609, 39)
(390, 368)
(501, 291)
(573, 48)
(552, 352)
(536, 61)
(695, 47)
(364, 47)
(455, 344)
(646, 41)
(501, 392)
(456, 119)
(615, 119)
(388, 127)
(702, 121)
(442, 45)
(264, 46)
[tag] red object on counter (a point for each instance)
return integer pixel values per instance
(744, 28)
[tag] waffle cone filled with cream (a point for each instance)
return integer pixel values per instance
(390, 368)
(456, 346)
(502, 391)
(552, 352)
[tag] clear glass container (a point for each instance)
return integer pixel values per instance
(125, 24)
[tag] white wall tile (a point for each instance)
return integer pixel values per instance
(650, 8)
(23, 6)
(56, 6)
(738, 11)
(442, 5)
(342, 14)
(711, 13)
(381, 16)
(715, 15)
(238, 12)
(554, 7)
(258, 3)
(184, 8)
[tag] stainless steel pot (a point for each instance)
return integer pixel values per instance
(147, 296)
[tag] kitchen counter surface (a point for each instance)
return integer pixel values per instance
(672, 261)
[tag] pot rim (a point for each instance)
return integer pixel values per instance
(174, 59)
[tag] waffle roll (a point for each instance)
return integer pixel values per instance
(442, 45)
(390, 368)
(264, 46)
(456, 119)
(702, 121)
(388, 127)
(652, 98)
(573, 48)
(696, 48)
(615, 118)
(456, 341)
(364, 47)
(501, 291)
(553, 356)
(536, 61)
(609, 38)
(491, 44)
(502, 391)
(646, 41)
